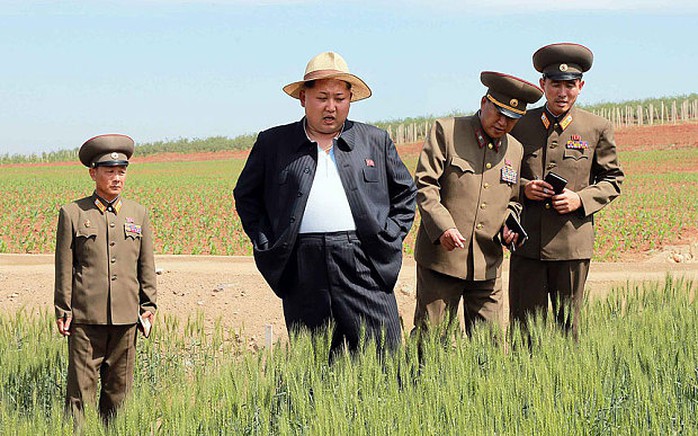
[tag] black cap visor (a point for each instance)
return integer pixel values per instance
(562, 76)
(110, 163)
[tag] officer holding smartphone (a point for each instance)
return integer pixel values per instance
(570, 171)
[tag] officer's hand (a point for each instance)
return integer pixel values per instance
(451, 239)
(509, 237)
(538, 190)
(150, 316)
(63, 325)
(567, 202)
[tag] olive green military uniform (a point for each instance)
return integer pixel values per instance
(469, 182)
(579, 146)
(105, 277)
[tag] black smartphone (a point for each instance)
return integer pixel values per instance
(515, 226)
(557, 182)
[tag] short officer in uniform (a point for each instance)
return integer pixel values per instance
(467, 185)
(105, 279)
(578, 147)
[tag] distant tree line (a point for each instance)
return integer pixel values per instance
(403, 130)
(181, 145)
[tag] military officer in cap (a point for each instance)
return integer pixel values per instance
(467, 185)
(105, 279)
(578, 147)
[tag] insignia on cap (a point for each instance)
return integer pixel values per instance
(114, 155)
(514, 102)
(563, 67)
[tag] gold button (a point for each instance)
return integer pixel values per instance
(113, 278)
(111, 224)
(489, 146)
(547, 205)
(112, 243)
(551, 165)
(486, 185)
(113, 260)
(483, 205)
(488, 165)
(478, 226)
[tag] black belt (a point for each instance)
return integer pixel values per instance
(347, 235)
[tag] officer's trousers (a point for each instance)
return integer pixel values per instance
(106, 352)
(438, 296)
(533, 281)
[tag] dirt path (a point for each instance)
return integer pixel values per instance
(230, 288)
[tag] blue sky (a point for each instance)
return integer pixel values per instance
(168, 69)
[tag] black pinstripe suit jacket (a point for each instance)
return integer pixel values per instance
(273, 188)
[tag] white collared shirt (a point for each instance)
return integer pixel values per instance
(327, 209)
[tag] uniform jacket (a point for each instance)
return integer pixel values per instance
(460, 185)
(273, 188)
(581, 149)
(105, 268)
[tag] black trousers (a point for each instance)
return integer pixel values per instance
(332, 281)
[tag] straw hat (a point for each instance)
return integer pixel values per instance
(330, 65)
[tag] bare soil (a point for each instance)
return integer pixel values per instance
(231, 290)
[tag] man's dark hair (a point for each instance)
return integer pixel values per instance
(311, 83)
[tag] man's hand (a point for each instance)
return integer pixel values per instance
(509, 238)
(150, 316)
(63, 325)
(451, 239)
(567, 202)
(538, 190)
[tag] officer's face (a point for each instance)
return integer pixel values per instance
(561, 94)
(109, 181)
(326, 106)
(494, 123)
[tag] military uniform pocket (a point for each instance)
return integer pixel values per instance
(576, 153)
(462, 164)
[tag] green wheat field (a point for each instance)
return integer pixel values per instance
(634, 371)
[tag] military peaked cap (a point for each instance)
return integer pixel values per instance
(106, 151)
(509, 94)
(563, 61)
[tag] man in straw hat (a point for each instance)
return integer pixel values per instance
(467, 181)
(565, 144)
(327, 202)
(105, 279)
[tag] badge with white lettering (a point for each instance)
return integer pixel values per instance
(509, 174)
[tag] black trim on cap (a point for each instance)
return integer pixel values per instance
(562, 76)
(110, 163)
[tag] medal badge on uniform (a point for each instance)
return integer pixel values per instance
(576, 143)
(131, 229)
(509, 174)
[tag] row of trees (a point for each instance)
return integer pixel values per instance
(406, 130)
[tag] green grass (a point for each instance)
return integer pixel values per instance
(634, 371)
